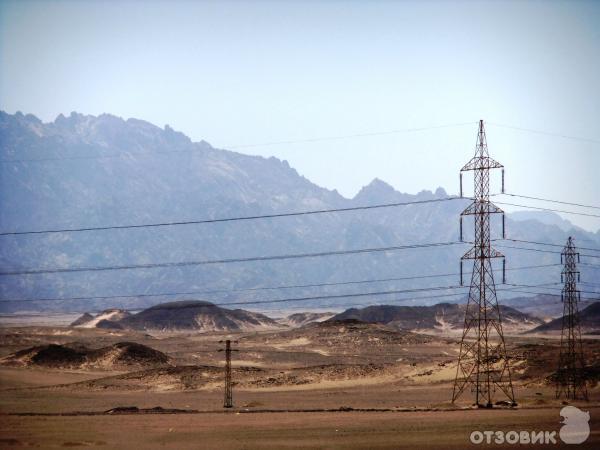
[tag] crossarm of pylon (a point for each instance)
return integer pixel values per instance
(475, 208)
(488, 252)
(481, 162)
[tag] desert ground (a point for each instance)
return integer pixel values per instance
(330, 385)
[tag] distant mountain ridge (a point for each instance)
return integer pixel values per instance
(443, 317)
(589, 321)
(196, 316)
(85, 171)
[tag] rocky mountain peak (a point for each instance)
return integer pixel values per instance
(440, 192)
(377, 191)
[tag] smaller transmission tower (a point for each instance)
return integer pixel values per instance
(570, 376)
(228, 401)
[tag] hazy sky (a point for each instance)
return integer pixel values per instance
(237, 73)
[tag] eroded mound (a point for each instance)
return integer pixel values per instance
(304, 318)
(179, 378)
(182, 378)
(358, 333)
(78, 356)
(108, 318)
(48, 355)
(340, 338)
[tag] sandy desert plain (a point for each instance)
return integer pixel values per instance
(339, 384)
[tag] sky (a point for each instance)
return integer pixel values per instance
(238, 74)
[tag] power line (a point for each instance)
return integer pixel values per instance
(549, 294)
(342, 283)
(300, 299)
(264, 144)
(536, 250)
(296, 141)
(93, 157)
(228, 219)
(533, 285)
(589, 256)
(424, 297)
(11, 271)
(349, 136)
(549, 244)
(230, 290)
(542, 286)
(549, 200)
(517, 289)
(525, 248)
(549, 209)
(338, 296)
(362, 294)
(421, 297)
(547, 133)
(267, 216)
(333, 296)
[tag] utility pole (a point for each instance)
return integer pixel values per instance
(228, 401)
(482, 362)
(570, 376)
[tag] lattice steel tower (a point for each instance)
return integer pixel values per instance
(228, 401)
(482, 361)
(570, 376)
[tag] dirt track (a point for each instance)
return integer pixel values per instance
(347, 430)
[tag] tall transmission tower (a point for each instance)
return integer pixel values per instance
(570, 376)
(482, 362)
(228, 400)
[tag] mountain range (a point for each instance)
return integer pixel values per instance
(199, 316)
(589, 321)
(443, 317)
(94, 171)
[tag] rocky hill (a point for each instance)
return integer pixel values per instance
(304, 318)
(197, 316)
(126, 355)
(122, 172)
(85, 318)
(443, 317)
(347, 336)
(589, 318)
(106, 319)
(544, 306)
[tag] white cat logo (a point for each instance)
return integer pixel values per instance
(576, 428)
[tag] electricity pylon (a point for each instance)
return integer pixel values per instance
(228, 401)
(570, 376)
(482, 362)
